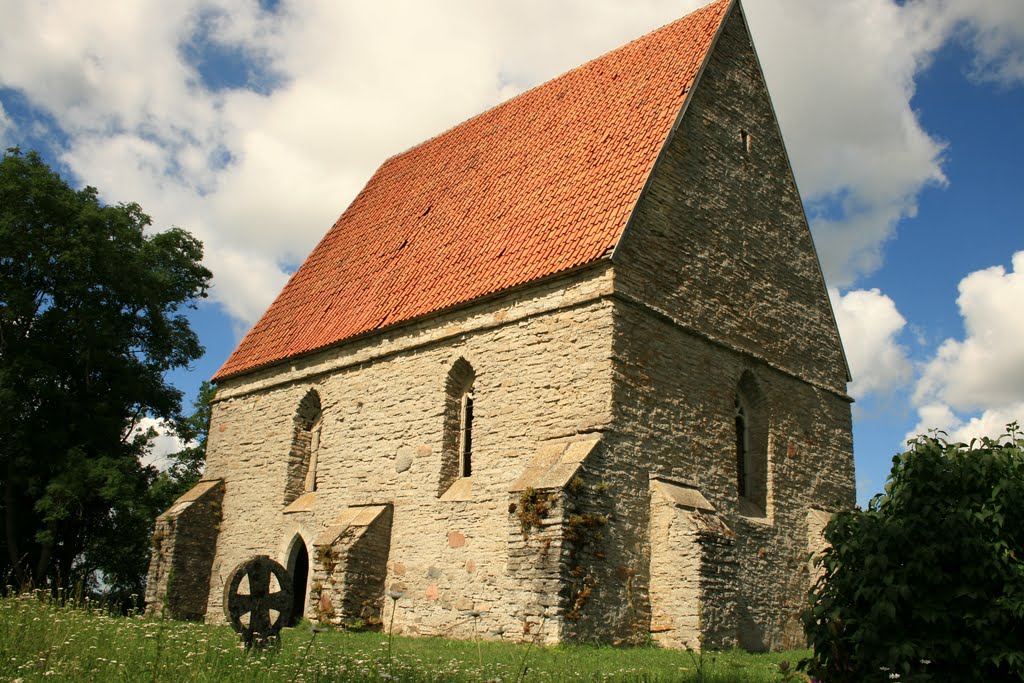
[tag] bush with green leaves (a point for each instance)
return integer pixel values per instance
(927, 584)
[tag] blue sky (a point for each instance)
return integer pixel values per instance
(253, 125)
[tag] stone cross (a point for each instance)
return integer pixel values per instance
(259, 601)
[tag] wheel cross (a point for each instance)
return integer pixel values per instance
(259, 601)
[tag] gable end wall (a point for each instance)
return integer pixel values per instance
(717, 279)
(719, 240)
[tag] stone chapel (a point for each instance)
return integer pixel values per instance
(567, 372)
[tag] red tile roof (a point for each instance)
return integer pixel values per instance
(540, 184)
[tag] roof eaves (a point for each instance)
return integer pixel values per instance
(593, 263)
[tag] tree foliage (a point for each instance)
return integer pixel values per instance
(927, 584)
(91, 319)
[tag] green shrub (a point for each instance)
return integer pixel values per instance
(927, 584)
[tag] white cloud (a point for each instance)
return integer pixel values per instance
(983, 373)
(986, 367)
(934, 416)
(163, 444)
(259, 173)
(991, 423)
(870, 325)
(5, 127)
(995, 31)
(842, 78)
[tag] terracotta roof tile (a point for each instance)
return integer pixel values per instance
(540, 184)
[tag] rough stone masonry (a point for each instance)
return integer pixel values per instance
(645, 444)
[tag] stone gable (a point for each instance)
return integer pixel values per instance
(641, 446)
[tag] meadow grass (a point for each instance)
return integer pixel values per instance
(42, 639)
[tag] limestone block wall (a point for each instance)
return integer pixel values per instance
(600, 603)
(817, 520)
(674, 413)
(542, 364)
(184, 539)
(349, 571)
(693, 574)
(719, 240)
(536, 567)
(674, 577)
(366, 571)
(717, 283)
(719, 579)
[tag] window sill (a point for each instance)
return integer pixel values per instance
(752, 511)
(303, 503)
(461, 490)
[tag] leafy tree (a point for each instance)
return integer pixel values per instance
(927, 584)
(90, 321)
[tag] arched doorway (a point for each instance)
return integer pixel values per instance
(298, 568)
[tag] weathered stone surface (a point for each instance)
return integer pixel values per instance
(587, 388)
(259, 610)
(403, 461)
(350, 567)
(184, 539)
(741, 295)
(326, 605)
(519, 398)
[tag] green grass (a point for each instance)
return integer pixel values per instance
(42, 640)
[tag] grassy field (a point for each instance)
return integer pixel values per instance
(42, 640)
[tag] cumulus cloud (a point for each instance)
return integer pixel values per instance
(162, 445)
(994, 29)
(843, 98)
(987, 366)
(870, 326)
(259, 159)
(975, 385)
(938, 417)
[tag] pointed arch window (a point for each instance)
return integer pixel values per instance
(750, 419)
(457, 440)
(304, 454)
(298, 570)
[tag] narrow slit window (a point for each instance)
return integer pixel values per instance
(466, 446)
(741, 449)
(314, 453)
(750, 418)
(457, 445)
(745, 140)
